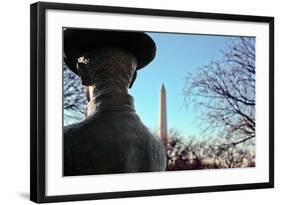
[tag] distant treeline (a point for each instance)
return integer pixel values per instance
(191, 154)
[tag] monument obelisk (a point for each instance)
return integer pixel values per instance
(163, 116)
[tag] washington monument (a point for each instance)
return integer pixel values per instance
(163, 116)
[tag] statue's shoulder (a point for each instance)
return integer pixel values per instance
(69, 129)
(81, 131)
(75, 128)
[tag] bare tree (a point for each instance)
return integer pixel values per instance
(224, 90)
(74, 97)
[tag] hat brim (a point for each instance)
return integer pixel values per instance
(77, 41)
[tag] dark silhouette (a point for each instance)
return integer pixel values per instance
(112, 138)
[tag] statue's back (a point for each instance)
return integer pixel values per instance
(111, 142)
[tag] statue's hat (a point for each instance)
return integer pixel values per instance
(77, 41)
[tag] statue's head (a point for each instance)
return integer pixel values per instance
(99, 55)
(107, 65)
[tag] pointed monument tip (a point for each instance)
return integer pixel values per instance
(162, 86)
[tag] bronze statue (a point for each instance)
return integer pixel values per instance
(112, 138)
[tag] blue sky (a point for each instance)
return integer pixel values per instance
(177, 54)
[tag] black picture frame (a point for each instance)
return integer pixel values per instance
(38, 101)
